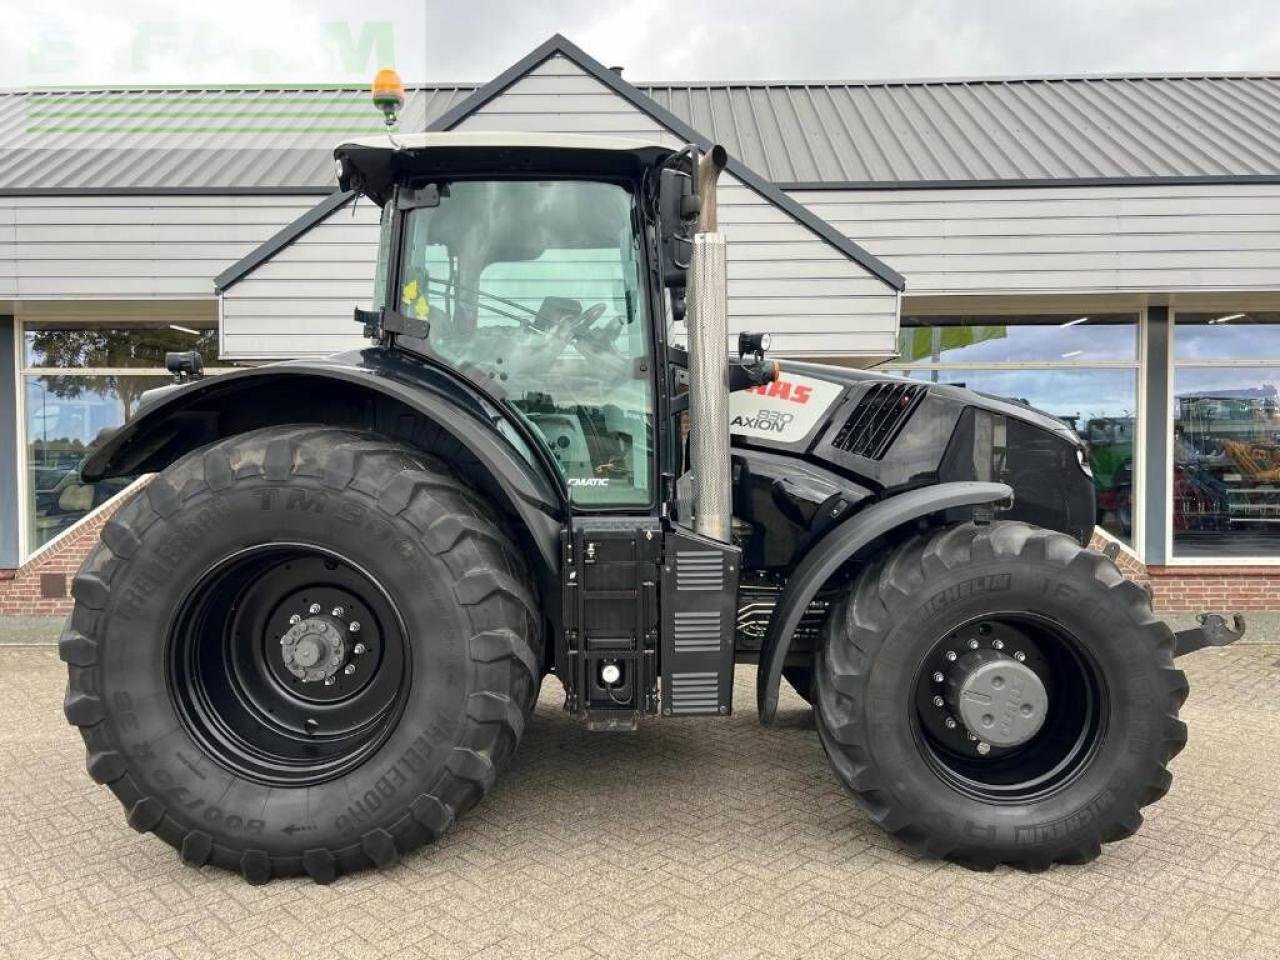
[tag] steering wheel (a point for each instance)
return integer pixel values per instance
(528, 356)
(583, 326)
(584, 321)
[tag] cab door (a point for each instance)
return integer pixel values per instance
(537, 286)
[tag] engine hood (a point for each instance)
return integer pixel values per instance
(846, 376)
(891, 434)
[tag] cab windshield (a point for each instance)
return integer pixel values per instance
(536, 285)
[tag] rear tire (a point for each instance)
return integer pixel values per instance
(208, 734)
(1081, 779)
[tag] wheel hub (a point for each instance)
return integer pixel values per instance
(288, 663)
(315, 649)
(1006, 707)
(998, 699)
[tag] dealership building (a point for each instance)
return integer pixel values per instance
(1105, 248)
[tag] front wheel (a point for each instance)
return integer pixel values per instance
(997, 694)
(301, 651)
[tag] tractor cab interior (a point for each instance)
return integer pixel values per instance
(536, 286)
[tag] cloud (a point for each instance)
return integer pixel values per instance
(817, 39)
(236, 41)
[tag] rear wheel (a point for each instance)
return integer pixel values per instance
(301, 650)
(998, 694)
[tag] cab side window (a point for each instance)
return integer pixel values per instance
(536, 286)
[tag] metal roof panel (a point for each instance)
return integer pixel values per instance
(989, 131)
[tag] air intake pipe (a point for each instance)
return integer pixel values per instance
(708, 320)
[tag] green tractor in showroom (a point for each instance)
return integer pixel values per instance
(316, 637)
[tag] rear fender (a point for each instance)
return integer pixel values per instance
(369, 390)
(835, 549)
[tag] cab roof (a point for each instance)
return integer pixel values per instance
(498, 139)
(371, 165)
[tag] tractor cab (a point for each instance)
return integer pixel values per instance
(535, 267)
(524, 262)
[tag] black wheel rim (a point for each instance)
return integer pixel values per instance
(1074, 724)
(267, 705)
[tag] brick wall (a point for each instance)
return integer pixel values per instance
(1195, 589)
(42, 585)
(1220, 589)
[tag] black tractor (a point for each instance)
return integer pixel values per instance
(315, 637)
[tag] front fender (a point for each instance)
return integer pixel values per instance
(832, 551)
(370, 390)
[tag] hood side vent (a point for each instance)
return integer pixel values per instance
(877, 419)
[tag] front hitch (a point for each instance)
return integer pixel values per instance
(1213, 631)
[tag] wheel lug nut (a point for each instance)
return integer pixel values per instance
(937, 676)
(973, 643)
(296, 618)
(1020, 656)
(984, 748)
(949, 723)
(349, 669)
(337, 611)
(951, 655)
(329, 681)
(354, 626)
(937, 701)
(997, 644)
(314, 608)
(358, 649)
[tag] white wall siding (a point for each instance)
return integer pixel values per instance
(299, 303)
(8, 252)
(786, 281)
(557, 97)
(125, 247)
(1221, 237)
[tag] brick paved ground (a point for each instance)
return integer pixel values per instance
(688, 839)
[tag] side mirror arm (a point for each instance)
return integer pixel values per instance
(376, 323)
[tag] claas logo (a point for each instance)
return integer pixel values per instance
(782, 389)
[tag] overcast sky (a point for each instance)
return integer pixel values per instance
(78, 42)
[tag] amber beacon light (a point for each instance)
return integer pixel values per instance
(388, 94)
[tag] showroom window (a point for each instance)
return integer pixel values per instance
(1226, 435)
(79, 379)
(1081, 368)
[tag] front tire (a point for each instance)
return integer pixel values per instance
(901, 716)
(301, 650)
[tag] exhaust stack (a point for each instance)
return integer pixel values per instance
(708, 321)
